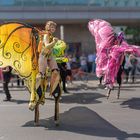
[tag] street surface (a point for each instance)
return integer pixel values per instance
(85, 114)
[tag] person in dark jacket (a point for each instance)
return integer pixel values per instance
(133, 61)
(6, 79)
(63, 73)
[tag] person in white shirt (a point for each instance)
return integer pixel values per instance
(69, 72)
(90, 62)
(127, 67)
(83, 63)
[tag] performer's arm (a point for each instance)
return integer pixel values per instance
(46, 42)
(6, 69)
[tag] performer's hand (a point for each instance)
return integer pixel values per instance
(41, 33)
(37, 29)
(55, 39)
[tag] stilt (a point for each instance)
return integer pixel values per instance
(118, 95)
(56, 115)
(36, 118)
(108, 94)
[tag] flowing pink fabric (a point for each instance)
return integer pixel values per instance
(108, 55)
(116, 53)
(104, 36)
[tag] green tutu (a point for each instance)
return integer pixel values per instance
(59, 51)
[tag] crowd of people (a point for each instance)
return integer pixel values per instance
(85, 62)
(88, 64)
(75, 66)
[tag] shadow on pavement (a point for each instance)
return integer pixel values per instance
(84, 86)
(19, 101)
(80, 98)
(82, 120)
(125, 88)
(129, 87)
(133, 103)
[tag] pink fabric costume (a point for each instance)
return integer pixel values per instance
(108, 54)
(114, 62)
(104, 38)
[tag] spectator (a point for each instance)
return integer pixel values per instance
(133, 61)
(69, 72)
(90, 62)
(94, 63)
(19, 81)
(63, 73)
(127, 67)
(74, 64)
(6, 79)
(83, 63)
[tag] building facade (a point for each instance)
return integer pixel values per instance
(73, 16)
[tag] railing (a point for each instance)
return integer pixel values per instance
(45, 3)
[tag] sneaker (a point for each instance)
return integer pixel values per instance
(106, 88)
(6, 100)
(125, 82)
(110, 86)
(66, 91)
(66, 85)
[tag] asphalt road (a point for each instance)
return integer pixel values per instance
(85, 114)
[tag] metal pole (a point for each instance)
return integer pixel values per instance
(62, 32)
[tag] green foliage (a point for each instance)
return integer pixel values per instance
(135, 31)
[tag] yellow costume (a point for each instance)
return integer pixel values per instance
(18, 49)
(46, 59)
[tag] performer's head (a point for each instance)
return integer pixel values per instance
(50, 26)
(120, 37)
